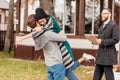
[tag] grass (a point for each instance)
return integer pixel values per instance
(6, 55)
(17, 69)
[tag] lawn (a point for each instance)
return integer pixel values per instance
(17, 69)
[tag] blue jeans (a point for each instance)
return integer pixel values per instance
(56, 72)
(69, 74)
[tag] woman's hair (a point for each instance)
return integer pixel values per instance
(31, 21)
(40, 14)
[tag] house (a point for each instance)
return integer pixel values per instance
(78, 18)
(4, 6)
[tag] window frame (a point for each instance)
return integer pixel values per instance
(63, 19)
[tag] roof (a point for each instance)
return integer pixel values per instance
(4, 4)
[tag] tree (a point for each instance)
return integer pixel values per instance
(10, 28)
(25, 14)
(48, 6)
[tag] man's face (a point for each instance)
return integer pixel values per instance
(105, 15)
(42, 21)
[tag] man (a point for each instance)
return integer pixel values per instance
(108, 36)
(47, 41)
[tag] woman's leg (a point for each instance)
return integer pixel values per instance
(70, 75)
(75, 65)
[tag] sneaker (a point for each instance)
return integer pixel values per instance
(88, 56)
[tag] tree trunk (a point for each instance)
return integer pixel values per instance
(25, 15)
(47, 5)
(10, 28)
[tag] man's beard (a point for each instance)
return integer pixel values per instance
(104, 19)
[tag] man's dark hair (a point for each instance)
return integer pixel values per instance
(40, 14)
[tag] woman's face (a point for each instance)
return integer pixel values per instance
(42, 21)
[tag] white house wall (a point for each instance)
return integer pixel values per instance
(3, 26)
(84, 44)
(75, 43)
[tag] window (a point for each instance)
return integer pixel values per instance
(92, 16)
(6, 19)
(65, 14)
(36, 4)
